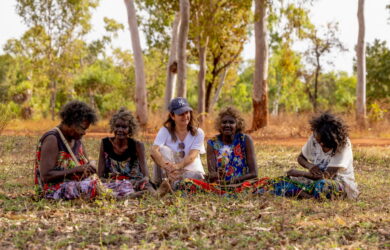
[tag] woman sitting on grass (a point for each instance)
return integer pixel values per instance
(178, 145)
(328, 156)
(62, 166)
(231, 158)
(122, 158)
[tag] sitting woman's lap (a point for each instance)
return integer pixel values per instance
(291, 187)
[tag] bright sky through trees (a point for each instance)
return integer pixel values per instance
(342, 11)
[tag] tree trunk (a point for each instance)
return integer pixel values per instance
(275, 103)
(202, 78)
(361, 69)
(219, 88)
(140, 85)
(260, 88)
(53, 97)
(172, 63)
(182, 48)
(315, 96)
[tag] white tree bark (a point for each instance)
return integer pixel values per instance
(172, 62)
(202, 78)
(182, 48)
(260, 85)
(140, 85)
(219, 88)
(361, 68)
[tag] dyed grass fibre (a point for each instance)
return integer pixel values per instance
(201, 221)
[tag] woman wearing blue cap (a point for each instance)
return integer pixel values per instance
(178, 145)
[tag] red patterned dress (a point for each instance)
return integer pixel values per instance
(70, 187)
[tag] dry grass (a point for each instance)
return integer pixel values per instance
(201, 221)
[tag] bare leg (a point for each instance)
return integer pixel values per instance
(164, 188)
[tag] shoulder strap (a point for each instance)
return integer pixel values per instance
(67, 146)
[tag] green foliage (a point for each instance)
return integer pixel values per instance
(237, 91)
(376, 112)
(286, 91)
(337, 91)
(5, 117)
(378, 71)
(97, 81)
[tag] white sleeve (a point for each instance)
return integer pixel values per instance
(343, 158)
(308, 149)
(161, 137)
(199, 142)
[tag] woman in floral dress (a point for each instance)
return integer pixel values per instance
(230, 158)
(62, 168)
(122, 163)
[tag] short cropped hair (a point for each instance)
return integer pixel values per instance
(233, 113)
(332, 130)
(128, 117)
(76, 112)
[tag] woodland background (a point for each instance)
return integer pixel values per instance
(193, 49)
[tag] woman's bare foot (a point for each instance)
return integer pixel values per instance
(164, 188)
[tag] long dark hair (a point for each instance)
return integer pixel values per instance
(332, 130)
(192, 126)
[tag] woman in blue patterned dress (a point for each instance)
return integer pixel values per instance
(230, 158)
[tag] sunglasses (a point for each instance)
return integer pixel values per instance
(181, 147)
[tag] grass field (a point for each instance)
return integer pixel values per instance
(201, 221)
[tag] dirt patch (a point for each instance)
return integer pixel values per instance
(282, 141)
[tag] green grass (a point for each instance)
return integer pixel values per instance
(201, 221)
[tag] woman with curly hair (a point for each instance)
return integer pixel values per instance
(122, 160)
(231, 158)
(327, 155)
(62, 167)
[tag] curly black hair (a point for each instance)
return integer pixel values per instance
(125, 115)
(332, 130)
(233, 112)
(76, 112)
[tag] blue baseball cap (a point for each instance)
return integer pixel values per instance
(179, 105)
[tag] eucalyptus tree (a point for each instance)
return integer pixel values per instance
(182, 48)
(217, 33)
(361, 68)
(140, 96)
(56, 24)
(260, 76)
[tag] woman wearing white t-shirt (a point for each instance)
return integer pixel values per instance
(328, 156)
(178, 145)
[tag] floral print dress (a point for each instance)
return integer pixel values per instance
(123, 168)
(73, 187)
(70, 187)
(233, 160)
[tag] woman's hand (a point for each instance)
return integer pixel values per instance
(316, 171)
(85, 170)
(175, 175)
(293, 172)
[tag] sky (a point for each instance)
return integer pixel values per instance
(323, 11)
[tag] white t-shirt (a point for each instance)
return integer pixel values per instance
(344, 160)
(190, 142)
